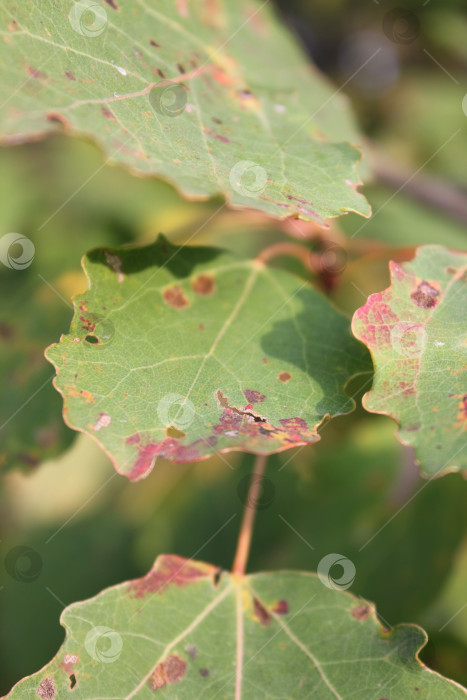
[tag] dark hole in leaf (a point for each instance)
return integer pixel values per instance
(93, 339)
(72, 681)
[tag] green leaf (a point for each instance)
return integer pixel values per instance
(31, 426)
(415, 331)
(179, 352)
(35, 295)
(187, 631)
(215, 98)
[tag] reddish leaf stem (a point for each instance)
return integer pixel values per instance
(246, 530)
(294, 250)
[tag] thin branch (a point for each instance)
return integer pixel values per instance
(430, 191)
(293, 250)
(246, 530)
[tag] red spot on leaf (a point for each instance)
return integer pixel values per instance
(253, 396)
(219, 137)
(171, 449)
(69, 661)
(294, 425)
(107, 113)
(35, 73)
(182, 8)
(361, 612)
(222, 77)
(171, 570)
(133, 439)
(281, 607)
(70, 75)
(261, 613)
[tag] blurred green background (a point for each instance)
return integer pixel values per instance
(357, 492)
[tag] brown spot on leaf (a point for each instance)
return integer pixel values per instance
(204, 672)
(180, 68)
(47, 689)
(361, 612)
(261, 613)
(29, 459)
(425, 295)
(6, 331)
(175, 297)
(115, 263)
(170, 569)
(284, 377)
(87, 396)
(154, 43)
(281, 607)
(171, 670)
(191, 650)
(204, 284)
(57, 119)
(254, 396)
(173, 432)
(70, 75)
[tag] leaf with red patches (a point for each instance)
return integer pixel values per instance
(232, 636)
(149, 89)
(153, 368)
(170, 570)
(416, 332)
